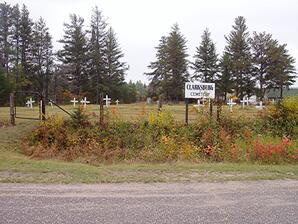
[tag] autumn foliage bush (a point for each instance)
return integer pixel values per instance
(156, 139)
(282, 118)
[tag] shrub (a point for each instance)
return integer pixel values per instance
(273, 153)
(282, 119)
(79, 118)
(157, 139)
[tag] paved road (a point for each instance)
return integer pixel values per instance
(229, 202)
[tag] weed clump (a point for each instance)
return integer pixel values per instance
(156, 139)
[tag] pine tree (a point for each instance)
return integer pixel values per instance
(224, 83)
(74, 52)
(26, 25)
(5, 36)
(96, 51)
(206, 61)
(177, 64)
(42, 56)
(238, 49)
(16, 20)
(262, 45)
(282, 72)
(114, 68)
(169, 71)
(159, 68)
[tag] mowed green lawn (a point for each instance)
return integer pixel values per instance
(15, 167)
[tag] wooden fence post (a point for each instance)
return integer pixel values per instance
(159, 106)
(211, 108)
(101, 111)
(218, 112)
(43, 108)
(12, 109)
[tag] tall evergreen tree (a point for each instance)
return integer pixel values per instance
(263, 46)
(224, 83)
(282, 71)
(16, 20)
(26, 25)
(159, 68)
(96, 51)
(169, 71)
(5, 36)
(74, 52)
(206, 61)
(238, 49)
(42, 56)
(177, 64)
(114, 67)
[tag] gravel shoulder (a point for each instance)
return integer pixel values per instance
(223, 202)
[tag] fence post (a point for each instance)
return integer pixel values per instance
(218, 112)
(159, 106)
(12, 109)
(211, 108)
(186, 111)
(101, 115)
(43, 108)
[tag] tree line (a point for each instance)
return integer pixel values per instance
(249, 65)
(90, 61)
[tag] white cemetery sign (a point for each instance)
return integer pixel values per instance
(231, 104)
(199, 90)
(244, 101)
(108, 100)
(30, 102)
(85, 102)
(260, 106)
(74, 101)
(117, 102)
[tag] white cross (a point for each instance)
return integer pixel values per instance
(117, 102)
(74, 101)
(244, 101)
(30, 102)
(260, 106)
(231, 104)
(107, 99)
(85, 102)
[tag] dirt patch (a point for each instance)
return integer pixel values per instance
(8, 176)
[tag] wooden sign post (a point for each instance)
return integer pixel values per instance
(198, 90)
(186, 110)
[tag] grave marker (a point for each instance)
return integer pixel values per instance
(117, 102)
(85, 102)
(30, 102)
(108, 100)
(260, 106)
(231, 104)
(74, 101)
(244, 101)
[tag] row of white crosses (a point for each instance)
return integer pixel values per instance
(85, 101)
(243, 101)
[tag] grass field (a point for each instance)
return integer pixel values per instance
(131, 111)
(15, 167)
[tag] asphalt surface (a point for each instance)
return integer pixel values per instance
(228, 202)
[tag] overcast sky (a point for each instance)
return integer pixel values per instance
(139, 24)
